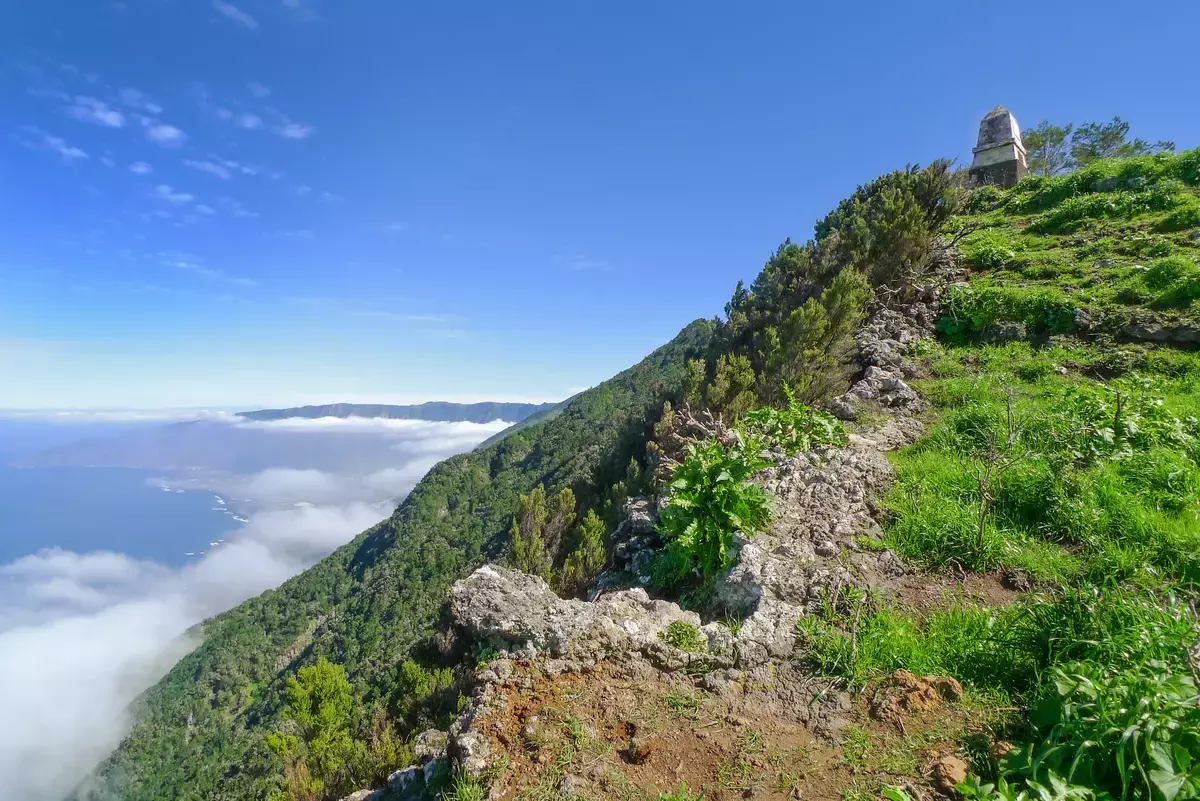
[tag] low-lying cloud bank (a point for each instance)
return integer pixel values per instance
(81, 635)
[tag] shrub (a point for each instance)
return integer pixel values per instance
(984, 198)
(1174, 281)
(970, 309)
(1185, 215)
(794, 429)
(989, 250)
(710, 498)
(1072, 213)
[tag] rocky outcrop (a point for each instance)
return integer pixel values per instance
(809, 551)
(884, 343)
(634, 542)
(520, 615)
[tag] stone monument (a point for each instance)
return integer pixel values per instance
(999, 154)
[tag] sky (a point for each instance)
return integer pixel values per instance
(235, 203)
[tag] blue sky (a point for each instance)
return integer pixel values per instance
(264, 202)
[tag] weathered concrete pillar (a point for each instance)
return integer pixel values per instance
(999, 154)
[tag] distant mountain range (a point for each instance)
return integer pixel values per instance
(439, 411)
(227, 446)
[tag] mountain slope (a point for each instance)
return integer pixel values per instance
(200, 730)
(439, 411)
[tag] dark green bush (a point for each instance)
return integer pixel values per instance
(970, 309)
(989, 250)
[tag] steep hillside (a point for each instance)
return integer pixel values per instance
(200, 731)
(988, 578)
(438, 411)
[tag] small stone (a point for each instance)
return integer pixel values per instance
(1000, 749)
(948, 772)
(826, 548)
(572, 786)
(640, 749)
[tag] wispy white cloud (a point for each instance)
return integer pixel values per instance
(95, 111)
(161, 133)
(210, 167)
(236, 208)
(136, 99)
(208, 210)
(301, 10)
(257, 89)
(301, 233)
(37, 139)
(580, 262)
(165, 192)
(302, 189)
(192, 264)
(140, 168)
(294, 130)
(230, 11)
(395, 227)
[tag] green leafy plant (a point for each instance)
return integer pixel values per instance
(795, 428)
(1055, 788)
(684, 636)
(710, 498)
(1134, 731)
(969, 309)
(989, 249)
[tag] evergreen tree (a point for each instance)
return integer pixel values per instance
(537, 533)
(732, 391)
(589, 557)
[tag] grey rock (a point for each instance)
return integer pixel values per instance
(826, 548)
(888, 389)
(1006, 331)
(1109, 184)
(431, 769)
(430, 744)
(520, 614)
(572, 786)
(470, 748)
(403, 781)
(364, 795)
(845, 407)
(1104, 264)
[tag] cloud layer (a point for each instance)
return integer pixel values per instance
(81, 635)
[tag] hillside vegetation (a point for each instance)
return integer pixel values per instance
(1062, 454)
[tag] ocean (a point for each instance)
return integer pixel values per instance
(86, 509)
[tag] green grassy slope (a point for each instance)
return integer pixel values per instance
(200, 729)
(1064, 452)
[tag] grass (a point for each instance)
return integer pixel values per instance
(1073, 460)
(684, 704)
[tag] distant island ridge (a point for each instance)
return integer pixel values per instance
(436, 411)
(231, 445)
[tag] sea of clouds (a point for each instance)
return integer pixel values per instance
(82, 634)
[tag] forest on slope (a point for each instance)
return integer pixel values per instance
(1056, 257)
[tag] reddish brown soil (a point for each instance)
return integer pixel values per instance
(607, 736)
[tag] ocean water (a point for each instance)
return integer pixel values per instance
(86, 509)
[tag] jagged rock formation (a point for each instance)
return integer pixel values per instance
(520, 615)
